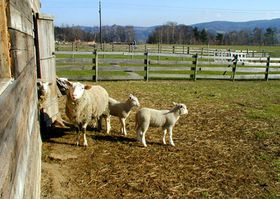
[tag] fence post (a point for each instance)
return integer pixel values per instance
(188, 50)
(173, 50)
(195, 66)
(95, 63)
(267, 68)
(235, 60)
(146, 68)
(112, 47)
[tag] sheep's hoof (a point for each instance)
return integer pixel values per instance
(172, 144)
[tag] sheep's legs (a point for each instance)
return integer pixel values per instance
(78, 136)
(108, 124)
(85, 136)
(164, 135)
(170, 137)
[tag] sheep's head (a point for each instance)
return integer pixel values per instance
(43, 88)
(133, 100)
(181, 108)
(76, 90)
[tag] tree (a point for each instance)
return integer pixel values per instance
(270, 36)
(220, 38)
(203, 36)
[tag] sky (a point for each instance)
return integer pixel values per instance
(158, 12)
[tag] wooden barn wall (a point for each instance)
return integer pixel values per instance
(20, 141)
(46, 43)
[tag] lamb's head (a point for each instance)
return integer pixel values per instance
(76, 90)
(181, 108)
(133, 100)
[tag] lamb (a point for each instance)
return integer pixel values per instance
(166, 119)
(84, 103)
(122, 109)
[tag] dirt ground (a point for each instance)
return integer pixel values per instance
(217, 152)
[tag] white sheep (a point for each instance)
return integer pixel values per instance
(122, 109)
(85, 103)
(166, 119)
(43, 89)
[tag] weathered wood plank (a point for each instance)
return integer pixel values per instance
(22, 51)
(162, 68)
(5, 62)
(250, 77)
(19, 20)
(169, 76)
(18, 105)
(218, 77)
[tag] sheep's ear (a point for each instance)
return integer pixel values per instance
(50, 84)
(130, 96)
(39, 83)
(174, 103)
(87, 87)
(68, 83)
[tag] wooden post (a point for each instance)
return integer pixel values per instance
(202, 51)
(267, 68)
(146, 67)
(173, 49)
(195, 66)
(95, 63)
(188, 50)
(235, 60)
(183, 49)
(112, 47)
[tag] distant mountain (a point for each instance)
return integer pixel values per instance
(227, 26)
(142, 33)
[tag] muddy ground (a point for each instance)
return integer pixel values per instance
(219, 152)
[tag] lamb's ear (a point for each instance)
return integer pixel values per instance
(50, 84)
(130, 96)
(87, 87)
(174, 103)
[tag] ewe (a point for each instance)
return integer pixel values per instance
(166, 119)
(84, 103)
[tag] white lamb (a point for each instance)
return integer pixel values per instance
(85, 103)
(166, 119)
(122, 109)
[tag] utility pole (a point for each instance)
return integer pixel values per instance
(100, 31)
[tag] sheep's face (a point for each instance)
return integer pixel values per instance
(43, 88)
(182, 108)
(76, 90)
(134, 100)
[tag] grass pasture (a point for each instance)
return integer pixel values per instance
(227, 147)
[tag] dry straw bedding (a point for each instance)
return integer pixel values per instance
(217, 153)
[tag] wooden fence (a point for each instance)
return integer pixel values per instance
(146, 66)
(155, 48)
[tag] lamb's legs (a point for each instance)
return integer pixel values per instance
(139, 134)
(170, 137)
(143, 138)
(164, 135)
(123, 126)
